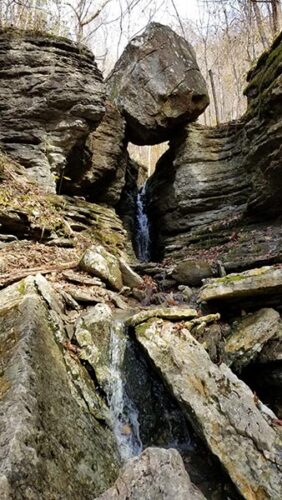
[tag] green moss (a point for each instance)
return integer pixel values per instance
(226, 280)
(266, 72)
(141, 328)
(22, 287)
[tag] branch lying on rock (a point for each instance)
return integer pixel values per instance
(10, 278)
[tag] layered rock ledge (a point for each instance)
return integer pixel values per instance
(52, 97)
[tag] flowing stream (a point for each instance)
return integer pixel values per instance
(123, 413)
(142, 240)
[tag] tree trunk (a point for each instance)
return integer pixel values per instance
(259, 22)
(214, 97)
(275, 16)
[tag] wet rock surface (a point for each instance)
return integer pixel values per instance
(244, 441)
(157, 474)
(157, 85)
(52, 97)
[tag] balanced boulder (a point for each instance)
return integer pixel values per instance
(157, 85)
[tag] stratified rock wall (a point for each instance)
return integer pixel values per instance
(51, 98)
(103, 161)
(215, 182)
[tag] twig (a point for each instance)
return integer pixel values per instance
(9, 279)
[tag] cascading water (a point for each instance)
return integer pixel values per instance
(123, 413)
(142, 238)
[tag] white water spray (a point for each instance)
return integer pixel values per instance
(142, 227)
(123, 413)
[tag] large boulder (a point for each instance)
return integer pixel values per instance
(221, 408)
(158, 474)
(52, 446)
(101, 263)
(192, 272)
(157, 85)
(52, 97)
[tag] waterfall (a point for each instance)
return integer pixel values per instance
(142, 239)
(123, 413)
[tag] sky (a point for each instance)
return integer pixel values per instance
(187, 9)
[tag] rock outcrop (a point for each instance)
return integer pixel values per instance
(256, 282)
(157, 474)
(248, 337)
(103, 161)
(220, 188)
(52, 97)
(52, 446)
(157, 85)
(221, 408)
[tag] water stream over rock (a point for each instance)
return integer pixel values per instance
(142, 239)
(123, 412)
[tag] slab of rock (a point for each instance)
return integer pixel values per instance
(263, 281)
(192, 272)
(129, 277)
(52, 446)
(99, 262)
(157, 85)
(171, 313)
(92, 334)
(158, 474)
(249, 336)
(220, 407)
(52, 97)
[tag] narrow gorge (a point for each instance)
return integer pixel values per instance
(141, 351)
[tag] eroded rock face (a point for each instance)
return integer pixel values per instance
(158, 474)
(105, 160)
(215, 187)
(220, 407)
(157, 85)
(52, 97)
(52, 446)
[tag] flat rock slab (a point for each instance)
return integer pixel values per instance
(220, 407)
(249, 336)
(158, 474)
(171, 313)
(157, 85)
(51, 444)
(266, 280)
